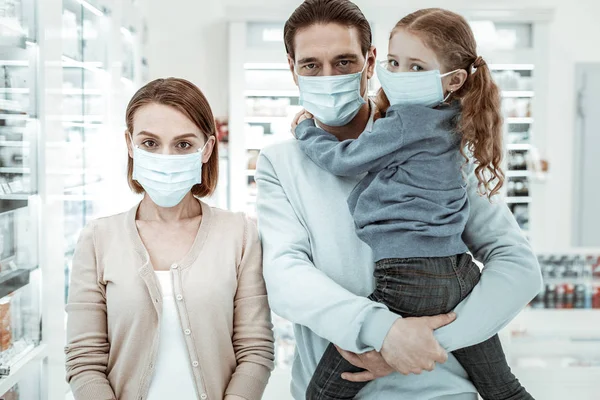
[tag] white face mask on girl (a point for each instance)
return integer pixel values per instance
(333, 100)
(415, 88)
(167, 178)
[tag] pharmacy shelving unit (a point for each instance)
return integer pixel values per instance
(59, 131)
(264, 99)
(554, 345)
(21, 348)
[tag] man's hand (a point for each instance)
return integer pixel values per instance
(411, 348)
(371, 361)
(301, 116)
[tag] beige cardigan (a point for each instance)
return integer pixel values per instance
(115, 306)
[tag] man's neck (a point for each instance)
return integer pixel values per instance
(354, 128)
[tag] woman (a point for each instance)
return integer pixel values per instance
(168, 300)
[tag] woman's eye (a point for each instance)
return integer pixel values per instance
(416, 68)
(184, 145)
(149, 143)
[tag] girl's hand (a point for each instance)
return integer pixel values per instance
(301, 116)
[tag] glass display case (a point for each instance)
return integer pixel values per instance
(84, 115)
(20, 278)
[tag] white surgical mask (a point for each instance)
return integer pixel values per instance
(415, 88)
(167, 178)
(333, 100)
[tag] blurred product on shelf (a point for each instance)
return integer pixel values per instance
(517, 161)
(5, 325)
(252, 159)
(222, 125)
(516, 107)
(13, 393)
(517, 187)
(521, 213)
(571, 281)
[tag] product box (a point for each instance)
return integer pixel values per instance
(5, 324)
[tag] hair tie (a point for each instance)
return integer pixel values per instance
(479, 62)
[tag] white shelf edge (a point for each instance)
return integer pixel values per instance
(517, 200)
(517, 93)
(511, 67)
(13, 143)
(523, 147)
(266, 120)
(519, 120)
(20, 369)
(518, 174)
(14, 90)
(15, 170)
(271, 93)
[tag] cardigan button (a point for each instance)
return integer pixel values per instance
(195, 363)
(179, 297)
(174, 266)
(203, 396)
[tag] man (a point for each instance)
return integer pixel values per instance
(318, 273)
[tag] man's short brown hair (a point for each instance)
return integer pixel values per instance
(186, 98)
(311, 12)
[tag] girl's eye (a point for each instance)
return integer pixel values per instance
(394, 63)
(149, 143)
(416, 68)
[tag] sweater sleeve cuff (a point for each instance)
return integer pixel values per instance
(303, 128)
(376, 327)
(247, 386)
(94, 390)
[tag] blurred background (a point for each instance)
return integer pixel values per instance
(69, 67)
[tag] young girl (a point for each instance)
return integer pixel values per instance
(441, 109)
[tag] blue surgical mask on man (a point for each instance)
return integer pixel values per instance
(333, 100)
(167, 178)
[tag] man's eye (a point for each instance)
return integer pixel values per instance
(310, 66)
(344, 63)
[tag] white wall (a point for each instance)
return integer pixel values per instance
(188, 38)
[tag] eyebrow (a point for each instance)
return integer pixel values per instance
(155, 136)
(346, 56)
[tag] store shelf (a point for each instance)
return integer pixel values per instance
(268, 120)
(511, 67)
(14, 26)
(13, 143)
(518, 200)
(15, 117)
(8, 205)
(517, 93)
(24, 367)
(16, 196)
(13, 281)
(271, 93)
(15, 170)
(516, 120)
(518, 174)
(14, 91)
(519, 147)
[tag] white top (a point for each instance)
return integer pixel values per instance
(173, 377)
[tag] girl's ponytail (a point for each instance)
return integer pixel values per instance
(481, 127)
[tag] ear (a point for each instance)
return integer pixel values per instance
(371, 60)
(208, 150)
(129, 144)
(454, 82)
(292, 65)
